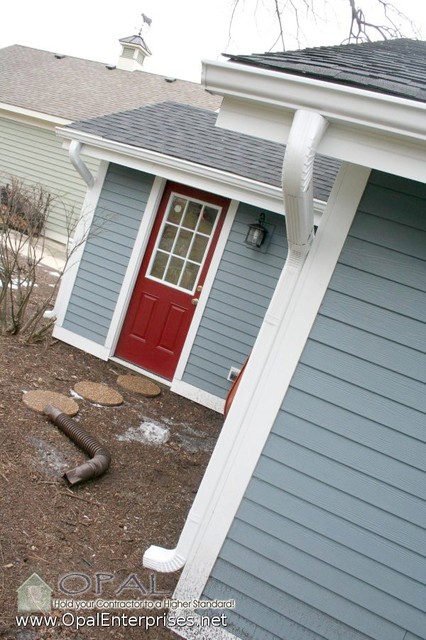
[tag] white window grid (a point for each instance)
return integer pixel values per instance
(194, 233)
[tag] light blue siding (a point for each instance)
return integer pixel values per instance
(329, 540)
(241, 293)
(107, 252)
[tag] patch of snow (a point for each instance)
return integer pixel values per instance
(147, 432)
(51, 459)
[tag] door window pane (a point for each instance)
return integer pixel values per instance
(207, 220)
(168, 237)
(183, 242)
(192, 215)
(198, 248)
(176, 210)
(174, 270)
(189, 276)
(159, 265)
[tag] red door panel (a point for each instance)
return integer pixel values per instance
(170, 279)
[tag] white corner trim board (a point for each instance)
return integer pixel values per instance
(254, 411)
(77, 244)
(307, 130)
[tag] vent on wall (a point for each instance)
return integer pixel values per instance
(233, 374)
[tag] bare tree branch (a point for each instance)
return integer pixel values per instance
(291, 15)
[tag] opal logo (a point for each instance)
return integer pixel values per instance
(34, 595)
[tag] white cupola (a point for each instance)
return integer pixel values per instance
(134, 52)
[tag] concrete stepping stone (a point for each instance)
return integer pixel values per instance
(98, 393)
(38, 399)
(140, 385)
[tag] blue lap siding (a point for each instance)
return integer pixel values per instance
(329, 539)
(107, 252)
(243, 287)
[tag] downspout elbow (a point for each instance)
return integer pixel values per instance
(307, 129)
(78, 164)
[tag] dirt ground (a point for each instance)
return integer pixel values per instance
(100, 529)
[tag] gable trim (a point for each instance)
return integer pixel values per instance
(256, 405)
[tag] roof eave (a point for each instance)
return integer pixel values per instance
(223, 183)
(338, 103)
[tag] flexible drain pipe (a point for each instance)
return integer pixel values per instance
(101, 457)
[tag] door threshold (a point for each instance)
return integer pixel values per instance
(144, 372)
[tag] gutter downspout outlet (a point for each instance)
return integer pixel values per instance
(78, 164)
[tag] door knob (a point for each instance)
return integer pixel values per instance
(194, 301)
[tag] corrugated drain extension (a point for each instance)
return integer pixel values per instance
(100, 456)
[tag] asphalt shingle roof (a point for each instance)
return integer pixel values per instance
(74, 88)
(396, 67)
(189, 133)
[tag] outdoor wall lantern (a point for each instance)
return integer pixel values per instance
(256, 233)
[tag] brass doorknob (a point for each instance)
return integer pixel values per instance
(194, 301)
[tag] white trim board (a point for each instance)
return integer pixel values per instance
(196, 394)
(208, 283)
(75, 340)
(132, 271)
(222, 183)
(80, 238)
(347, 141)
(252, 416)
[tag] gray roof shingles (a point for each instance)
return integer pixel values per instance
(75, 88)
(395, 67)
(189, 133)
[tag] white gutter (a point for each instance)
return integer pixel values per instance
(223, 183)
(337, 102)
(305, 134)
(78, 164)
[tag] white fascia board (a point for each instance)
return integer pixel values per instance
(345, 141)
(31, 117)
(336, 102)
(198, 176)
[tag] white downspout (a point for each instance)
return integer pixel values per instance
(307, 129)
(78, 164)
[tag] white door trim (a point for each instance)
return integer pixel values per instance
(208, 283)
(132, 271)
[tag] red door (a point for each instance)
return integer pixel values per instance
(171, 278)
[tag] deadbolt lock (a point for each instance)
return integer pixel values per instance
(199, 288)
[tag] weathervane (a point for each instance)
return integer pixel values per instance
(145, 21)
